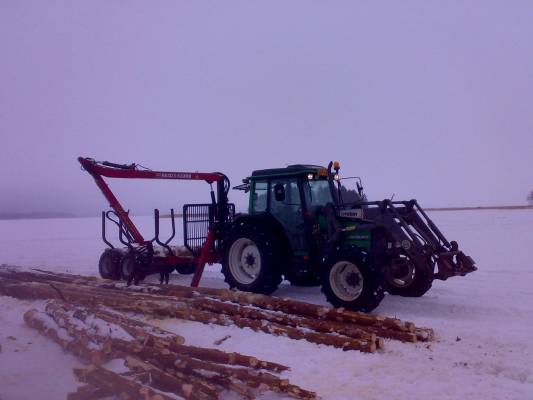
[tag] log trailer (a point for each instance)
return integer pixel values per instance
(298, 227)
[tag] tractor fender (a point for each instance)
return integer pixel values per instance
(268, 224)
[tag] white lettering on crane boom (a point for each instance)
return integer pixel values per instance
(175, 175)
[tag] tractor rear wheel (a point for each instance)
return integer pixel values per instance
(250, 261)
(404, 278)
(109, 264)
(349, 281)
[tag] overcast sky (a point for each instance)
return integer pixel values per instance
(424, 99)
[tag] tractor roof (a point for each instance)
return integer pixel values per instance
(295, 169)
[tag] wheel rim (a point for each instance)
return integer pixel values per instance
(346, 280)
(402, 274)
(244, 261)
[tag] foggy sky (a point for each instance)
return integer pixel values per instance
(424, 99)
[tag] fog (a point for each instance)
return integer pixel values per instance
(422, 99)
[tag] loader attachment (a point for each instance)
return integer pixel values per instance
(412, 233)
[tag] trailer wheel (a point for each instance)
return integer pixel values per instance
(349, 281)
(250, 261)
(109, 264)
(186, 269)
(405, 279)
(128, 266)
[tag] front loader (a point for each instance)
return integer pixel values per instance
(407, 242)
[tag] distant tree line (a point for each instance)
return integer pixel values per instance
(530, 198)
(348, 195)
(351, 195)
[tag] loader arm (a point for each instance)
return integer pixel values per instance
(415, 232)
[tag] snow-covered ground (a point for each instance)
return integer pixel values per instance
(484, 321)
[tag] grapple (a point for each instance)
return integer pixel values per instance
(411, 232)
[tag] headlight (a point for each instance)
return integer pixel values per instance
(406, 244)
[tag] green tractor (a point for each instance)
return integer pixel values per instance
(304, 226)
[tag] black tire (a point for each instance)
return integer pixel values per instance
(109, 264)
(308, 280)
(261, 274)
(128, 266)
(186, 269)
(417, 283)
(350, 281)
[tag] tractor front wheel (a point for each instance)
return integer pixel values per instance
(404, 278)
(109, 264)
(250, 261)
(349, 281)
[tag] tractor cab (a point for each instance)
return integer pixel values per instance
(292, 196)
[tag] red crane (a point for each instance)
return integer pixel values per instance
(203, 225)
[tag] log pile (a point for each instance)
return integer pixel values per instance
(285, 317)
(160, 362)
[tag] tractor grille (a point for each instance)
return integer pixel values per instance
(197, 218)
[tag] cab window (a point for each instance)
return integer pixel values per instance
(259, 197)
(286, 207)
(317, 193)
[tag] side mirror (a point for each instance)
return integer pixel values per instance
(279, 192)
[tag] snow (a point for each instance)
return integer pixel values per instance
(483, 321)
(105, 329)
(31, 366)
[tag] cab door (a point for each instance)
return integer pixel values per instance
(286, 207)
